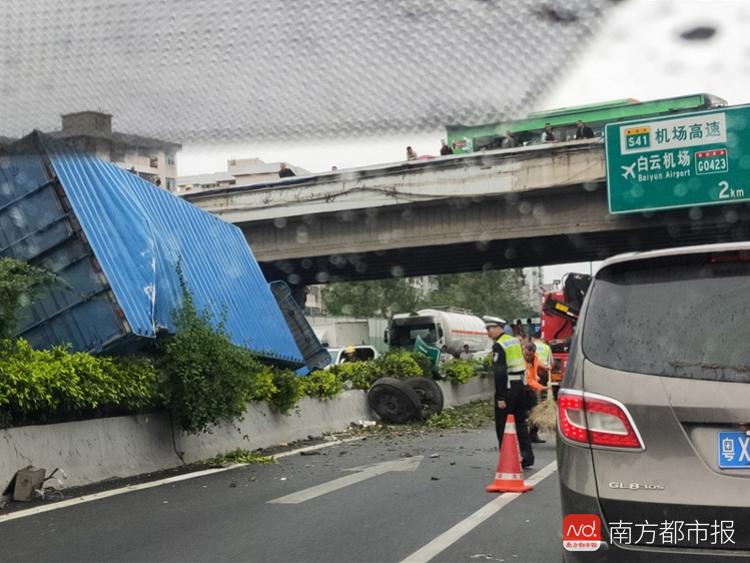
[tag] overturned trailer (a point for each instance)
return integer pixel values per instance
(115, 241)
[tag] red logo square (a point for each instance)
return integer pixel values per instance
(582, 532)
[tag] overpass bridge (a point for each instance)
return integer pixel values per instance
(535, 205)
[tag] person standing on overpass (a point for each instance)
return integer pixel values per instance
(445, 149)
(548, 135)
(285, 171)
(583, 131)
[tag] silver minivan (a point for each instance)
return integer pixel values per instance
(654, 409)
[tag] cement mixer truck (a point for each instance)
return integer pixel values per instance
(451, 328)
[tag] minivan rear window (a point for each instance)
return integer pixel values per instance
(679, 317)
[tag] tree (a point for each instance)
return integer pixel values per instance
(365, 299)
(495, 292)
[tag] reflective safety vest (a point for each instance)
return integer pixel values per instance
(513, 353)
(544, 353)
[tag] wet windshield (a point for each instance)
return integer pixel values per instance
(205, 203)
(404, 334)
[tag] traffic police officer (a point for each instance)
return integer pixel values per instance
(509, 370)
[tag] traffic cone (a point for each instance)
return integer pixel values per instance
(509, 476)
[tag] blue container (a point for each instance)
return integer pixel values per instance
(116, 240)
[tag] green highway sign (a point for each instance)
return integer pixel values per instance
(684, 160)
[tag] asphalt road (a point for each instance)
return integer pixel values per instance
(390, 516)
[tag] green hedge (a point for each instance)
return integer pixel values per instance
(459, 370)
(198, 376)
(322, 384)
(398, 363)
(53, 385)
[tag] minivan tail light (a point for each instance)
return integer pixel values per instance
(596, 420)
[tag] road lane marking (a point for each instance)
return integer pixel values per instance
(151, 484)
(451, 536)
(362, 474)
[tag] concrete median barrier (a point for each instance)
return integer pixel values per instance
(90, 451)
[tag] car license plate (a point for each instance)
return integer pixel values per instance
(734, 450)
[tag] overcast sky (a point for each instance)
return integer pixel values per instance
(638, 53)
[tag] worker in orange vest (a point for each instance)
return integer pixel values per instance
(535, 372)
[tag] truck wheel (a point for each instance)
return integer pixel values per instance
(394, 401)
(429, 393)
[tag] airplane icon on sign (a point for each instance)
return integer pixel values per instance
(628, 170)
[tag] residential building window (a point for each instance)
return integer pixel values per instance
(170, 159)
(153, 162)
(170, 184)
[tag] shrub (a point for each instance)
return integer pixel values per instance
(263, 388)
(322, 384)
(289, 390)
(424, 363)
(459, 370)
(48, 385)
(207, 379)
(400, 364)
(486, 362)
(138, 382)
(280, 388)
(484, 365)
(361, 374)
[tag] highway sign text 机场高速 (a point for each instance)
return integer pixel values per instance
(687, 160)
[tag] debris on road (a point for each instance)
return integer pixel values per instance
(363, 424)
(26, 480)
(239, 455)
(469, 416)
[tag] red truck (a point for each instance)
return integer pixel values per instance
(560, 310)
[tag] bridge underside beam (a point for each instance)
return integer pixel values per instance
(460, 236)
(499, 254)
